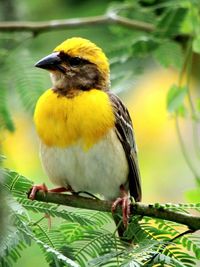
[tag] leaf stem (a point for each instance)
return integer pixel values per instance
(44, 26)
(44, 232)
(184, 150)
(186, 68)
(38, 221)
(189, 231)
(192, 108)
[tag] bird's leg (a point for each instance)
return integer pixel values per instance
(44, 188)
(61, 189)
(124, 201)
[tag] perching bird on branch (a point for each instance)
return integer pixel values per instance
(85, 131)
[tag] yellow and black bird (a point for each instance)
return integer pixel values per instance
(85, 131)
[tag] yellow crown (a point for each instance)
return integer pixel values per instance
(83, 48)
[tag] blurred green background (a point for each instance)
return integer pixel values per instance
(143, 86)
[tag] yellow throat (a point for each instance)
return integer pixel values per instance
(62, 121)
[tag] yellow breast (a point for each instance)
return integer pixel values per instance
(62, 121)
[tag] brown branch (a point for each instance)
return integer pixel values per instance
(44, 26)
(193, 222)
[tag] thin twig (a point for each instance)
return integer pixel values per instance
(184, 151)
(193, 222)
(189, 231)
(52, 25)
(186, 69)
(194, 115)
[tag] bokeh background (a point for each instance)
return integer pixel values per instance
(143, 86)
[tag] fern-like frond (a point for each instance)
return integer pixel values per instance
(164, 231)
(136, 255)
(93, 244)
(11, 247)
(53, 238)
(161, 229)
(29, 82)
(72, 231)
(6, 121)
(180, 207)
(157, 233)
(100, 218)
(8, 42)
(139, 230)
(49, 240)
(18, 72)
(54, 211)
(108, 259)
(191, 243)
(81, 236)
(13, 241)
(49, 248)
(176, 253)
(16, 184)
(162, 260)
(135, 231)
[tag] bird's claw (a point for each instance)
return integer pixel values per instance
(43, 187)
(35, 188)
(125, 203)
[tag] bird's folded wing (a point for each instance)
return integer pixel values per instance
(124, 131)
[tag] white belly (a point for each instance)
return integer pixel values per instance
(99, 170)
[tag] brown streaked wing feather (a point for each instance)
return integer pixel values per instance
(124, 130)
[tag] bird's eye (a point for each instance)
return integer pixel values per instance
(75, 61)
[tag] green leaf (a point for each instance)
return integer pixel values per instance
(198, 104)
(29, 82)
(143, 45)
(100, 218)
(191, 23)
(49, 243)
(92, 244)
(196, 44)
(175, 98)
(11, 247)
(169, 54)
(17, 184)
(6, 120)
(171, 21)
(54, 211)
(192, 243)
(180, 207)
(193, 195)
(166, 260)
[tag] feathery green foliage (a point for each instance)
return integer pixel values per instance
(82, 239)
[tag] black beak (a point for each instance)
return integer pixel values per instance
(50, 62)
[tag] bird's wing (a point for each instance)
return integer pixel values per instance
(124, 131)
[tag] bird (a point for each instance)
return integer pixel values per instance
(85, 132)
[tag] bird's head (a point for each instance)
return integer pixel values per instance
(77, 63)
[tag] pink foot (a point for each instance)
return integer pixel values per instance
(44, 188)
(125, 203)
(36, 188)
